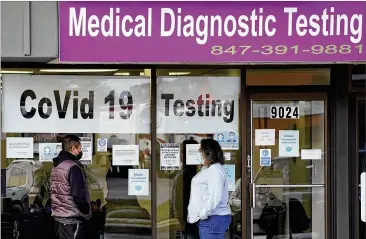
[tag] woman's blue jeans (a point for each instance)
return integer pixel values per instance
(214, 227)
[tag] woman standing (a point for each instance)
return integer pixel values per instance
(208, 206)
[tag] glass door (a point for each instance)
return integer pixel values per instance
(288, 146)
(361, 158)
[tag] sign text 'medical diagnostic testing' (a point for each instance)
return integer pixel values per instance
(192, 32)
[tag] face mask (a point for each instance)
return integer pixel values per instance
(80, 155)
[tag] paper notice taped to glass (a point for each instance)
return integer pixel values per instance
(265, 137)
(169, 156)
(87, 149)
(125, 155)
(19, 147)
(311, 154)
(138, 182)
(193, 156)
(288, 143)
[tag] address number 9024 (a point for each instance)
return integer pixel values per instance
(284, 112)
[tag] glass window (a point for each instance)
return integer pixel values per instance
(283, 77)
(193, 105)
(111, 114)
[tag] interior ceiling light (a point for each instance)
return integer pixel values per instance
(77, 70)
(15, 72)
(179, 73)
(122, 73)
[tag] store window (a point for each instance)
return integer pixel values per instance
(111, 115)
(193, 105)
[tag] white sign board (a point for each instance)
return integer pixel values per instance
(82, 104)
(289, 143)
(169, 156)
(265, 157)
(138, 182)
(227, 156)
(311, 154)
(87, 149)
(265, 137)
(125, 155)
(197, 104)
(230, 176)
(49, 151)
(193, 156)
(19, 147)
(102, 145)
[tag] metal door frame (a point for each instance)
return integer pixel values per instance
(249, 150)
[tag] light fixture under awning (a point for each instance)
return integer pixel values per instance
(15, 72)
(76, 70)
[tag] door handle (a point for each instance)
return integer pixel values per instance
(313, 167)
(13, 193)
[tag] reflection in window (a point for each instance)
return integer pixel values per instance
(193, 105)
(117, 210)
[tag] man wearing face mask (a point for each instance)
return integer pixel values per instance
(69, 191)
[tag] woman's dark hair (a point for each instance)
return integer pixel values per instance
(212, 151)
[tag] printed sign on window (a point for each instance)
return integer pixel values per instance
(138, 182)
(289, 143)
(87, 149)
(193, 156)
(125, 155)
(49, 151)
(265, 157)
(169, 156)
(18, 147)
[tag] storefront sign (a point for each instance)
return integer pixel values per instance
(90, 104)
(198, 32)
(69, 104)
(198, 105)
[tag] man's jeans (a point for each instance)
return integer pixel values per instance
(214, 227)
